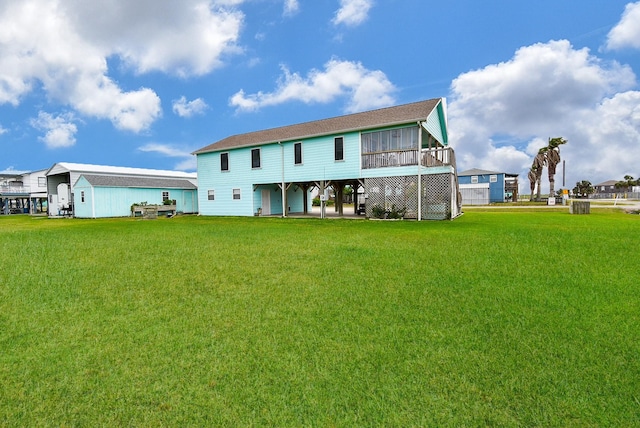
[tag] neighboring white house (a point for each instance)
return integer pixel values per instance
(22, 192)
(398, 155)
(91, 191)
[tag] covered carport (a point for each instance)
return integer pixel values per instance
(288, 191)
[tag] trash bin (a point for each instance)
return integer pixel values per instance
(580, 207)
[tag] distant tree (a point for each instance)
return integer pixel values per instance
(539, 163)
(553, 159)
(583, 188)
(627, 183)
(532, 182)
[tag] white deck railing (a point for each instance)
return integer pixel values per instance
(430, 158)
(17, 190)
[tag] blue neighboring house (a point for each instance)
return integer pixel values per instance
(397, 157)
(482, 187)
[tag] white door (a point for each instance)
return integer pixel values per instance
(52, 205)
(266, 202)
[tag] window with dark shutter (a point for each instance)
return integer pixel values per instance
(339, 148)
(255, 158)
(224, 161)
(297, 153)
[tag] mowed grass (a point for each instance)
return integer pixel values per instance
(493, 319)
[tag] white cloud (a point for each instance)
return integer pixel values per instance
(352, 12)
(59, 130)
(63, 47)
(291, 7)
(192, 42)
(607, 140)
(39, 44)
(3, 130)
(365, 89)
(547, 90)
(184, 108)
(627, 32)
(187, 162)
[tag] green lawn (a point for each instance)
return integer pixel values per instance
(493, 319)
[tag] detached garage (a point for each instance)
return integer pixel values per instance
(91, 191)
(104, 196)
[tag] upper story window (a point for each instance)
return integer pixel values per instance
(493, 179)
(255, 158)
(339, 148)
(224, 161)
(42, 182)
(297, 153)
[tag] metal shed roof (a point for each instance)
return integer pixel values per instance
(62, 167)
(390, 116)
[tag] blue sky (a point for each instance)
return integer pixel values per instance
(145, 83)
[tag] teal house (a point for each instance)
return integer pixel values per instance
(93, 191)
(396, 158)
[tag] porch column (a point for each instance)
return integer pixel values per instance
(356, 186)
(322, 201)
(419, 171)
(339, 194)
(305, 197)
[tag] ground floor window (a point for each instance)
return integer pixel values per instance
(236, 193)
(82, 196)
(165, 196)
(211, 195)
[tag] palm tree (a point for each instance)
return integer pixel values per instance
(539, 162)
(627, 183)
(553, 159)
(583, 188)
(532, 181)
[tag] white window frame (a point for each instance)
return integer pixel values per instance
(493, 178)
(474, 179)
(165, 195)
(236, 194)
(211, 195)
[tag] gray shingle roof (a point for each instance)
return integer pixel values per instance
(607, 183)
(389, 116)
(140, 182)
